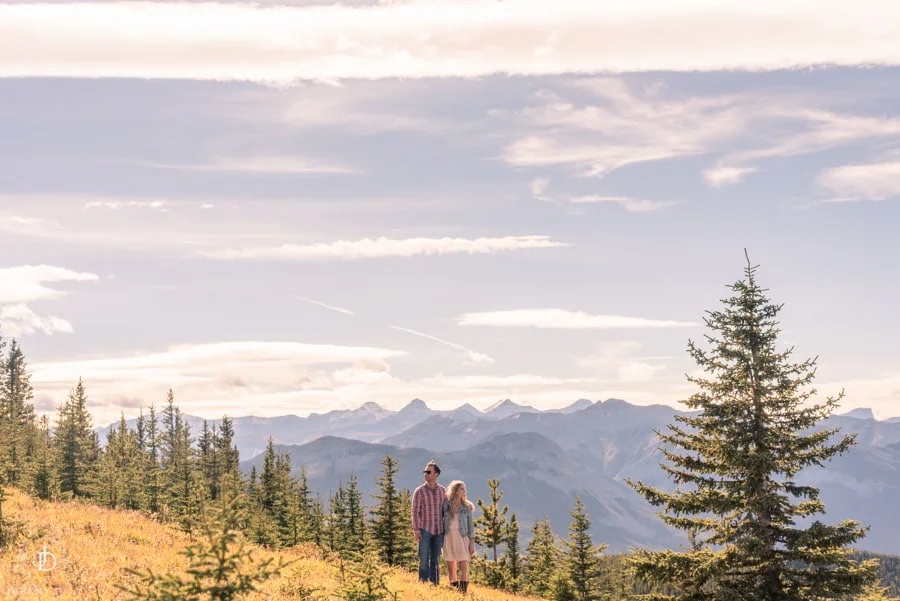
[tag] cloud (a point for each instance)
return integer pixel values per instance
(873, 181)
(473, 356)
(595, 126)
(562, 319)
(725, 176)
(26, 283)
(279, 165)
(619, 358)
(119, 204)
(333, 308)
(440, 38)
(632, 205)
(368, 248)
(19, 320)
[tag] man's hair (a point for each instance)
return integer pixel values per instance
(433, 466)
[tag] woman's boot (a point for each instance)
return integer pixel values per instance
(463, 586)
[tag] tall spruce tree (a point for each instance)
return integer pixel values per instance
(17, 419)
(77, 446)
(45, 483)
(153, 481)
(734, 464)
(229, 459)
(389, 532)
(542, 558)
(512, 559)
(583, 557)
(356, 520)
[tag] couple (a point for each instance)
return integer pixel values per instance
(443, 523)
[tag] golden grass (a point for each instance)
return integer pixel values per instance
(94, 546)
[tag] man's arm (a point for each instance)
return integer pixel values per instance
(417, 514)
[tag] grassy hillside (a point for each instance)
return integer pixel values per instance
(94, 546)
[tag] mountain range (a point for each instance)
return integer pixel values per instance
(544, 458)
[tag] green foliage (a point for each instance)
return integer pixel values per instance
(583, 557)
(490, 526)
(542, 559)
(17, 418)
(734, 462)
(363, 576)
(220, 568)
(561, 588)
(77, 447)
(512, 559)
(390, 533)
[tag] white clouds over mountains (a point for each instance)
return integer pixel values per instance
(279, 44)
(28, 283)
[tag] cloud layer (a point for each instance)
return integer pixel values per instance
(562, 319)
(350, 250)
(425, 38)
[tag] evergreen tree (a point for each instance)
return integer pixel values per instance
(512, 559)
(737, 458)
(17, 418)
(389, 532)
(490, 526)
(561, 588)
(153, 481)
(337, 521)
(408, 554)
(77, 446)
(356, 521)
(228, 458)
(306, 528)
(319, 521)
(583, 557)
(542, 559)
(220, 568)
(45, 484)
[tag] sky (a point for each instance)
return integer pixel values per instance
(290, 208)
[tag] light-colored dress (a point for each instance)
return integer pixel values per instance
(456, 547)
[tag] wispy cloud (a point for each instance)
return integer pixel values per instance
(473, 356)
(421, 38)
(619, 358)
(349, 250)
(873, 181)
(725, 176)
(277, 165)
(159, 205)
(563, 319)
(618, 125)
(540, 186)
(632, 205)
(321, 304)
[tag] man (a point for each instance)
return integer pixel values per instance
(428, 523)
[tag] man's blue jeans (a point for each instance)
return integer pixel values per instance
(429, 555)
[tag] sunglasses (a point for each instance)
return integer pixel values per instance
(426, 471)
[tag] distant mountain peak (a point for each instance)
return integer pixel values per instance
(504, 404)
(375, 409)
(416, 405)
(859, 413)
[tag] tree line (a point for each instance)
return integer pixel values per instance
(733, 460)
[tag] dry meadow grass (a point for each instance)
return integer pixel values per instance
(94, 546)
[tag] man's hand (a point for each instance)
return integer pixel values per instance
(418, 536)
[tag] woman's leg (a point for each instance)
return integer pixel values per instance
(463, 576)
(451, 572)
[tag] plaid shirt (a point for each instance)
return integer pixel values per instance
(426, 509)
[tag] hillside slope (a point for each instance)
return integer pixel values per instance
(93, 546)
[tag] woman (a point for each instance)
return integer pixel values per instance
(459, 534)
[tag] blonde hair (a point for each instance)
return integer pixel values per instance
(454, 496)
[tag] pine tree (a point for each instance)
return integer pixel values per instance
(389, 532)
(318, 525)
(77, 446)
(408, 553)
(44, 485)
(356, 521)
(512, 560)
(17, 418)
(337, 521)
(306, 529)
(153, 481)
(738, 457)
(220, 568)
(229, 459)
(542, 559)
(583, 557)
(490, 526)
